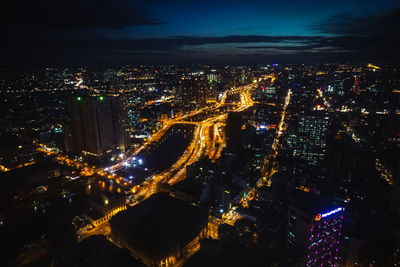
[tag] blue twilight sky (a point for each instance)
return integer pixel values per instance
(221, 18)
(176, 31)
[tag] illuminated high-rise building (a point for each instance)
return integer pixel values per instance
(314, 230)
(308, 139)
(194, 91)
(243, 76)
(97, 126)
(211, 92)
(212, 77)
(356, 85)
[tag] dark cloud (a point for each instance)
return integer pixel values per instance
(282, 48)
(183, 49)
(364, 37)
(165, 44)
(384, 24)
(178, 41)
(73, 14)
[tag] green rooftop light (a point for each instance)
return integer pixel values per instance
(79, 98)
(101, 98)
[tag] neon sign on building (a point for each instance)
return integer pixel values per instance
(320, 216)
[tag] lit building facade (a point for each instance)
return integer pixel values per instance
(308, 140)
(98, 126)
(316, 234)
(357, 84)
(194, 91)
(106, 206)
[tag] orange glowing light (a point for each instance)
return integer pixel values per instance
(318, 217)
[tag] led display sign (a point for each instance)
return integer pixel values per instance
(320, 216)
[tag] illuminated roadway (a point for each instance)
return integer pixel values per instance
(202, 144)
(268, 169)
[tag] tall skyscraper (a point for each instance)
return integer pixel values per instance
(98, 126)
(211, 92)
(212, 77)
(194, 91)
(356, 85)
(314, 229)
(233, 132)
(308, 140)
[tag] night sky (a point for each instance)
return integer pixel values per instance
(180, 32)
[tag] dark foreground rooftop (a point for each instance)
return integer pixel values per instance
(311, 204)
(158, 224)
(96, 251)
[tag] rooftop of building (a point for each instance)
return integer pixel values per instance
(94, 214)
(96, 251)
(189, 186)
(100, 196)
(311, 204)
(30, 170)
(160, 222)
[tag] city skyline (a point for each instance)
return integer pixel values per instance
(276, 164)
(200, 133)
